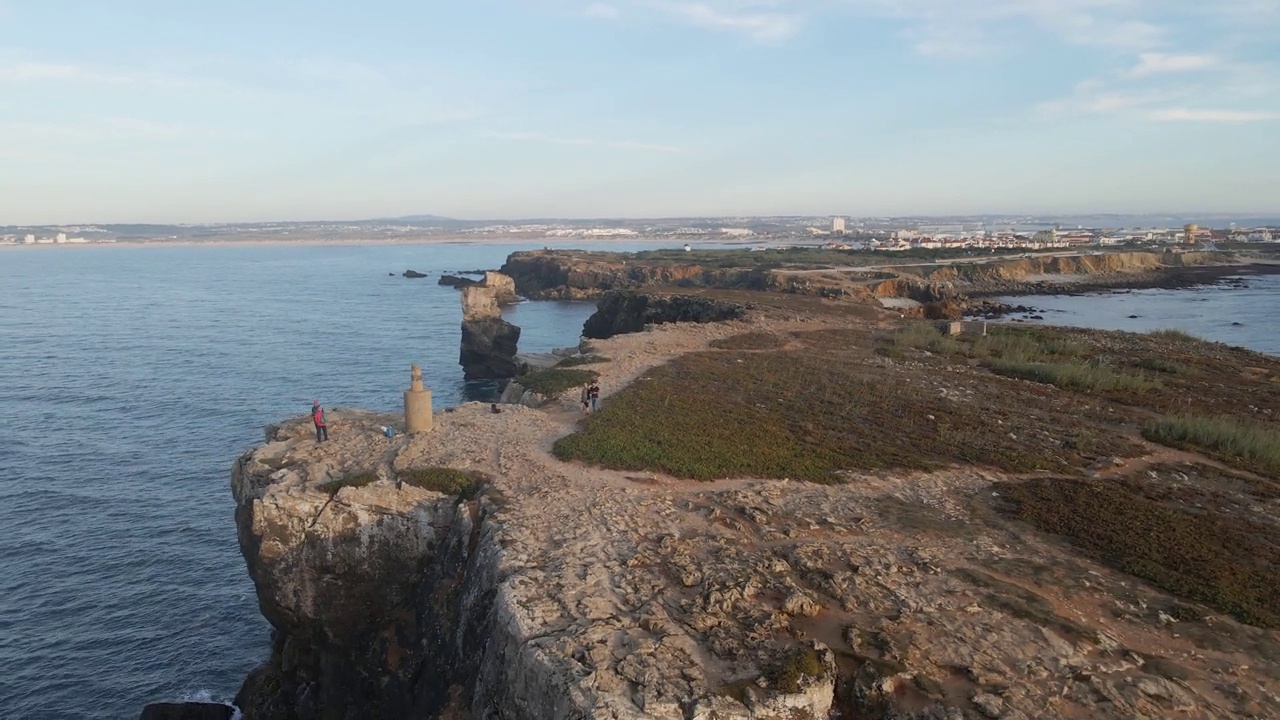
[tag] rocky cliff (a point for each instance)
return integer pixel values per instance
(557, 591)
(489, 343)
(619, 312)
(393, 601)
(580, 275)
(945, 287)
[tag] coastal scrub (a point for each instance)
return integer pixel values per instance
(1191, 549)
(553, 381)
(357, 479)
(1250, 446)
(450, 481)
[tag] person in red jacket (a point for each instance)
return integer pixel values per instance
(317, 417)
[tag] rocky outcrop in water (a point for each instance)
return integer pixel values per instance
(489, 343)
(456, 281)
(620, 312)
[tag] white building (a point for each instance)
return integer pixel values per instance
(837, 225)
(61, 238)
(29, 240)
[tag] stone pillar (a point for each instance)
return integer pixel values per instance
(417, 404)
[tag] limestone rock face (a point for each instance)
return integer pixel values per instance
(489, 349)
(620, 312)
(344, 576)
(488, 342)
(479, 303)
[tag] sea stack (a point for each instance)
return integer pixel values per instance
(488, 342)
(417, 404)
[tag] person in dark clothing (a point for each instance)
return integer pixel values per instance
(317, 417)
(586, 398)
(595, 397)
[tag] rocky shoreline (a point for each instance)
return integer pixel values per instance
(556, 590)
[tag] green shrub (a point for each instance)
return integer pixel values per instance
(1248, 445)
(788, 674)
(1174, 334)
(463, 483)
(926, 336)
(359, 479)
(749, 341)
(1169, 367)
(1016, 347)
(1090, 377)
(576, 360)
(553, 381)
(1201, 554)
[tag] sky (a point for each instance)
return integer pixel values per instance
(255, 110)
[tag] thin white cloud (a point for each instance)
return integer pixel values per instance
(102, 129)
(1211, 116)
(756, 20)
(26, 72)
(585, 142)
(950, 28)
(1160, 63)
(602, 11)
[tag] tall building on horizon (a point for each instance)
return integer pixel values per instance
(837, 225)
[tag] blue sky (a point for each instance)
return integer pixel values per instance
(163, 111)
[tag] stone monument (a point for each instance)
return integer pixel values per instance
(417, 404)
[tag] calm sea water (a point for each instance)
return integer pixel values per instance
(1244, 316)
(131, 378)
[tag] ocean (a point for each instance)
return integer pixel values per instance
(130, 380)
(1244, 316)
(132, 377)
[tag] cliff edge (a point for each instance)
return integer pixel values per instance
(525, 587)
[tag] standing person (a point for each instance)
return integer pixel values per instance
(317, 417)
(594, 392)
(586, 398)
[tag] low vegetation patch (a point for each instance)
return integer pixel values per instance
(577, 360)
(553, 381)
(924, 336)
(750, 341)
(789, 674)
(463, 483)
(1224, 560)
(1251, 446)
(1175, 335)
(1169, 367)
(812, 414)
(1084, 377)
(358, 479)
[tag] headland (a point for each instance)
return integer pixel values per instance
(818, 508)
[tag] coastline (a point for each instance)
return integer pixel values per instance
(581, 588)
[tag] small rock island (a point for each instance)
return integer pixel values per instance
(794, 503)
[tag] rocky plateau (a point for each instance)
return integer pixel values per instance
(555, 590)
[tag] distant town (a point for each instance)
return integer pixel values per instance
(1003, 233)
